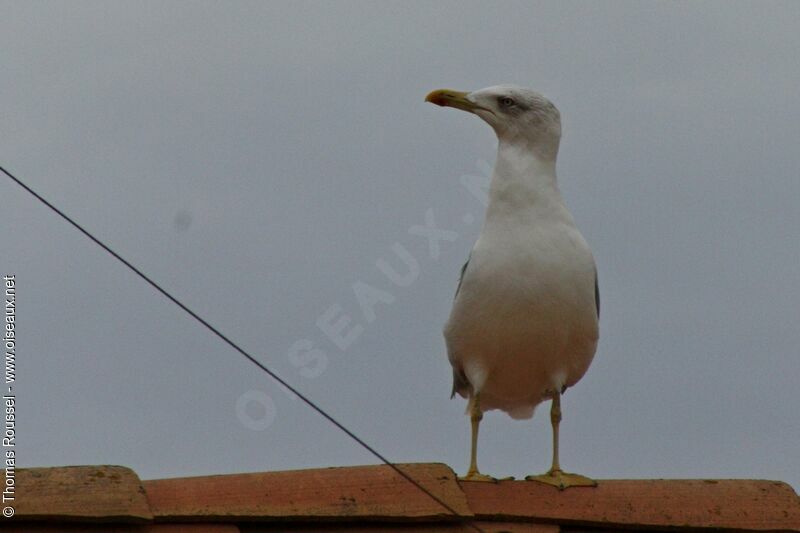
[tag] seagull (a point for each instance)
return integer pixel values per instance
(524, 324)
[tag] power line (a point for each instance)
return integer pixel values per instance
(241, 351)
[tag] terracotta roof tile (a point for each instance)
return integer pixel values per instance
(732, 504)
(117, 528)
(375, 499)
(82, 493)
(376, 492)
(486, 527)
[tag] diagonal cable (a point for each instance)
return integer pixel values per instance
(241, 350)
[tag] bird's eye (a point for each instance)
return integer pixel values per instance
(505, 101)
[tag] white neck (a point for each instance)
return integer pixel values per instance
(523, 181)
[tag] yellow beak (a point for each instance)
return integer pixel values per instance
(450, 98)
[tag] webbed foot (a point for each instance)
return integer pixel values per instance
(562, 480)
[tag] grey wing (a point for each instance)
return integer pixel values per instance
(461, 276)
(596, 293)
(460, 383)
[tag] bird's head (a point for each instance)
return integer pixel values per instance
(516, 114)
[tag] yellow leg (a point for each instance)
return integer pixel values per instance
(555, 476)
(555, 421)
(476, 415)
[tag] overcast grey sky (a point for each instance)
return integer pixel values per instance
(268, 161)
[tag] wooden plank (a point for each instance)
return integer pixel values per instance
(81, 493)
(752, 505)
(376, 492)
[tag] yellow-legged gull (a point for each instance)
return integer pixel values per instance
(524, 323)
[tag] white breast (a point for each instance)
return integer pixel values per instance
(524, 321)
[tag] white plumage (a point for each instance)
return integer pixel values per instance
(524, 323)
